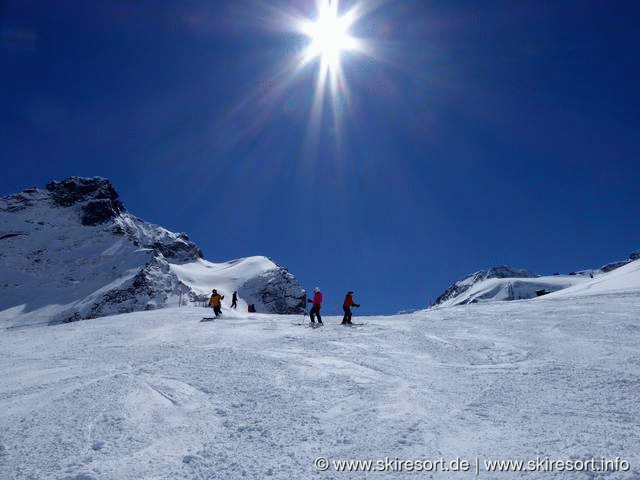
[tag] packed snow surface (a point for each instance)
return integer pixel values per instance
(162, 395)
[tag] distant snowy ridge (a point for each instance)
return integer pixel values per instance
(624, 280)
(461, 286)
(72, 251)
(613, 266)
(506, 283)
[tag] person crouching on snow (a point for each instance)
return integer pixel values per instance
(315, 309)
(216, 301)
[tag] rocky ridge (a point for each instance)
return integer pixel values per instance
(72, 251)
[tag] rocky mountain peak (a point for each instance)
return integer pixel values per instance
(96, 196)
(72, 251)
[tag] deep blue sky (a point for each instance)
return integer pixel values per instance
(485, 133)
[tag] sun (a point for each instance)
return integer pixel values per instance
(329, 38)
(329, 44)
(329, 35)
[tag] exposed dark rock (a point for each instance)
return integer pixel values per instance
(73, 189)
(98, 211)
(275, 291)
(613, 266)
(177, 251)
(147, 290)
(98, 197)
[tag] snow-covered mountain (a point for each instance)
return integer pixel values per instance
(506, 283)
(72, 251)
(461, 286)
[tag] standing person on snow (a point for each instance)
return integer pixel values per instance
(315, 308)
(346, 306)
(216, 301)
(234, 300)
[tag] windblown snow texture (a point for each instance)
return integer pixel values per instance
(160, 395)
(72, 251)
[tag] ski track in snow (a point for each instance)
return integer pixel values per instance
(160, 395)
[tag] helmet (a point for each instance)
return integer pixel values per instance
(214, 291)
(350, 292)
(316, 290)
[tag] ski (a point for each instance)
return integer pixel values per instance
(208, 319)
(308, 324)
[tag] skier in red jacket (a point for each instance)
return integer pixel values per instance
(346, 306)
(315, 308)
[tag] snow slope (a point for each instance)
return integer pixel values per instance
(161, 395)
(258, 281)
(226, 277)
(623, 280)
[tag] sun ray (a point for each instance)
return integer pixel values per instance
(328, 45)
(329, 37)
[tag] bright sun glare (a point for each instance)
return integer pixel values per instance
(329, 35)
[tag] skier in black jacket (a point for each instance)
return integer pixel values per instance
(234, 300)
